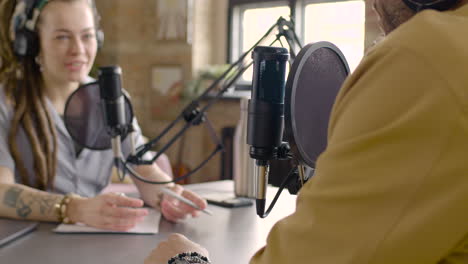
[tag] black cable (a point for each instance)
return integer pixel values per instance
(280, 190)
(188, 174)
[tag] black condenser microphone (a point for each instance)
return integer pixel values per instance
(113, 103)
(266, 113)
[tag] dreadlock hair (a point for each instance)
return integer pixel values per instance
(24, 90)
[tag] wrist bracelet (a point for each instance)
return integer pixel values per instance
(61, 208)
(189, 258)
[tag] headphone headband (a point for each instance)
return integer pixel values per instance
(441, 5)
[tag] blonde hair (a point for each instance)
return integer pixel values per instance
(24, 90)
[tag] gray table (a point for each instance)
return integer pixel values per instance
(231, 236)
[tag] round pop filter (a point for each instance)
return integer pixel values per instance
(313, 83)
(84, 117)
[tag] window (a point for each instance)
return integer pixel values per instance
(341, 22)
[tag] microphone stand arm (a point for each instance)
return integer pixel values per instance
(286, 30)
(194, 115)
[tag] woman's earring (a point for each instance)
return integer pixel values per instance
(37, 60)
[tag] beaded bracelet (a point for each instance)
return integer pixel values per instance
(189, 258)
(61, 208)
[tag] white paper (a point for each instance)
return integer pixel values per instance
(149, 225)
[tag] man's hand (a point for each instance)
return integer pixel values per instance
(174, 245)
(174, 210)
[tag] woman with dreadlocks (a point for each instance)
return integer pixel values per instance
(47, 49)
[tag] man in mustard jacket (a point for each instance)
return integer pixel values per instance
(392, 185)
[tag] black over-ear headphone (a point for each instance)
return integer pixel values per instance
(23, 22)
(441, 5)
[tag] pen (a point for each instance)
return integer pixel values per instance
(184, 200)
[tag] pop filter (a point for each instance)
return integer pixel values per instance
(84, 117)
(313, 83)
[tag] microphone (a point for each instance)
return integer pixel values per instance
(113, 103)
(265, 123)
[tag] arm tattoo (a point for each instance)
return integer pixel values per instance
(11, 196)
(46, 204)
(24, 204)
(23, 210)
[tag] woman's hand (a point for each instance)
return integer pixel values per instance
(171, 208)
(174, 210)
(110, 211)
(174, 245)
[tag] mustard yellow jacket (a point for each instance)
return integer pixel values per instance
(392, 185)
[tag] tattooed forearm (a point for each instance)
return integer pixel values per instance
(23, 210)
(46, 204)
(27, 203)
(11, 196)
(12, 199)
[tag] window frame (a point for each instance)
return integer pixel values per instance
(300, 9)
(237, 7)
